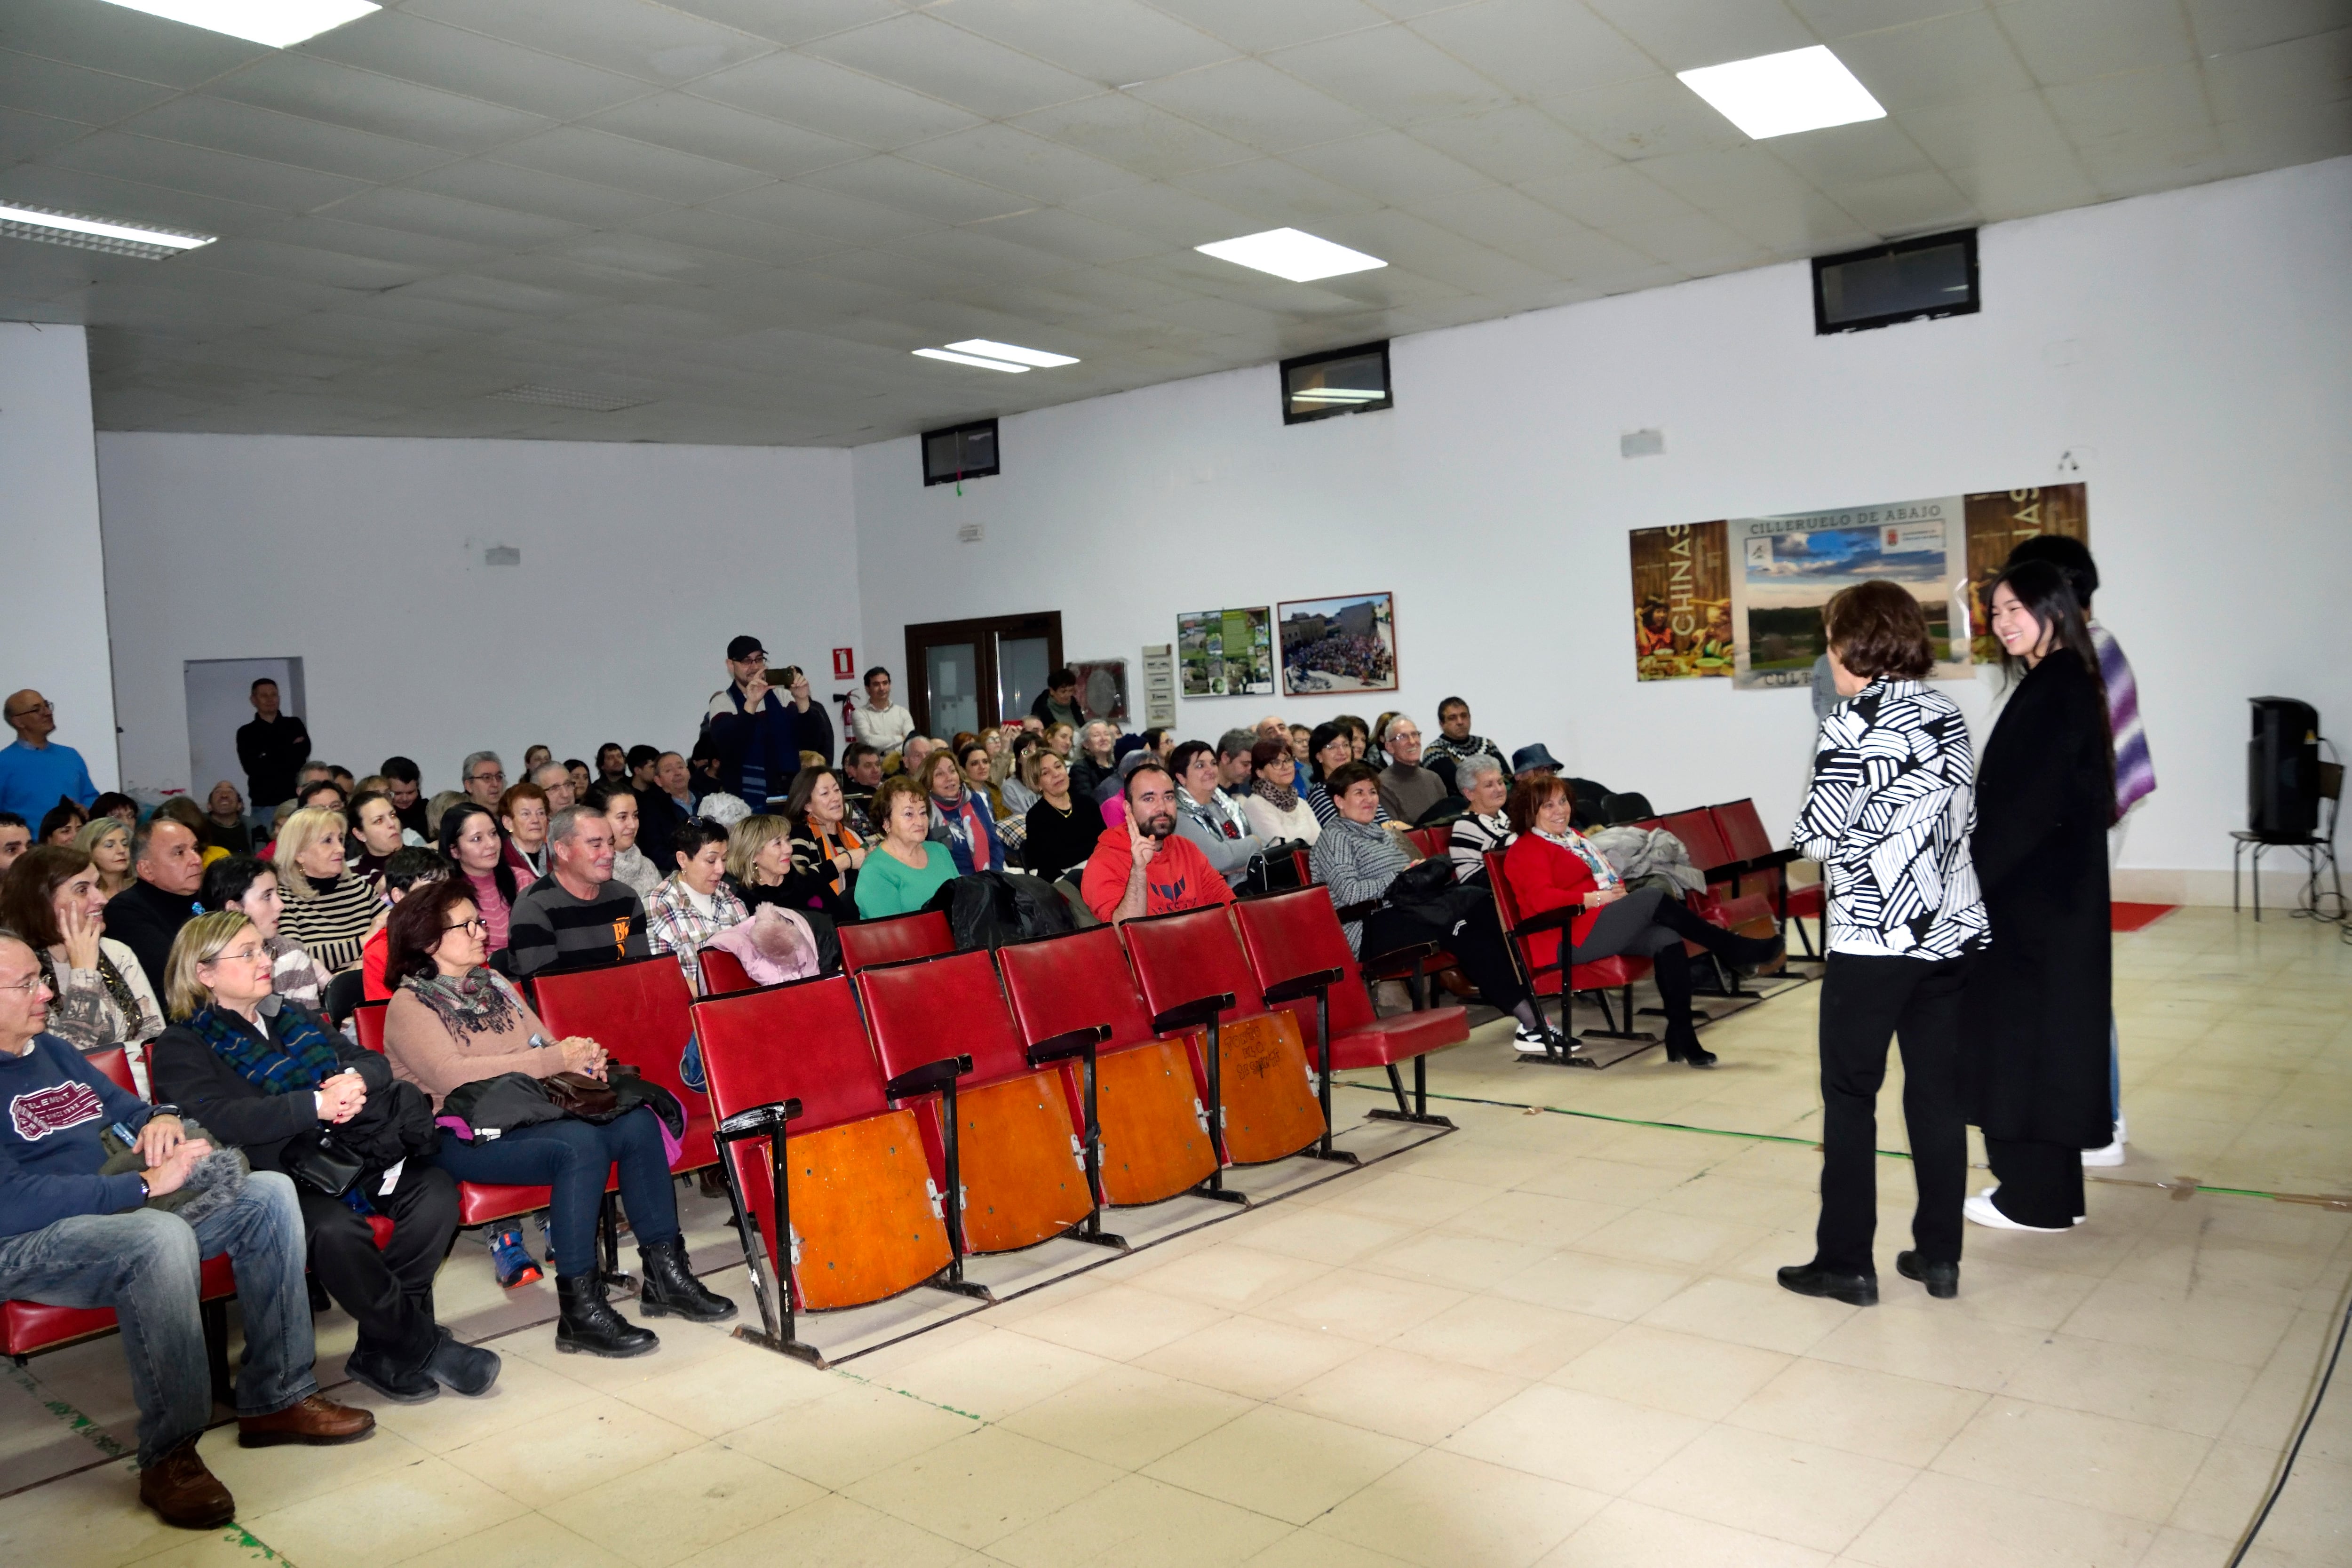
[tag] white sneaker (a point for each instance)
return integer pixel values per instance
(1981, 1209)
(2112, 1154)
(1531, 1042)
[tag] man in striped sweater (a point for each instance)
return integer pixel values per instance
(577, 916)
(2135, 771)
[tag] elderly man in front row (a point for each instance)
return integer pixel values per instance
(72, 1237)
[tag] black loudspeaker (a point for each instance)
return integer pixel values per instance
(2283, 768)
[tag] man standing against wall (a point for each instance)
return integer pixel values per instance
(35, 772)
(879, 722)
(1058, 704)
(273, 748)
(750, 730)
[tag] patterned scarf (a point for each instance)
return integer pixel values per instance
(476, 1003)
(1603, 874)
(1280, 794)
(300, 1058)
(117, 988)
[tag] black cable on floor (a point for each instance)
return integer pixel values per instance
(2318, 1397)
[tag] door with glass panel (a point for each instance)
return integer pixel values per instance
(969, 674)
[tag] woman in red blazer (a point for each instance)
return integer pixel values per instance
(1551, 866)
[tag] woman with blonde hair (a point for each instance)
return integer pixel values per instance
(106, 843)
(330, 911)
(760, 859)
(263, 1074)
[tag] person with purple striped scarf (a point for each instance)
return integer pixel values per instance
(2135, 771)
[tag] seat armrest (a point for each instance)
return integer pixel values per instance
(1358, 911)
(759, 1119)
(928, 1079)
(1309, 984)
(1777, 859)
(1414, 951)
(1550, 919)
(1193, 1015)
(1068, 1044)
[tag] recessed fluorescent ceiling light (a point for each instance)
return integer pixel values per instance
(1288, 253)
(96, 234)
(278, 23)
(1012, 352)
(1779, 95)
(954, 358)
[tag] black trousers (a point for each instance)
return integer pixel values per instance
(2041, 1184)
(1463, 923)
(1650, 922)
(1865, 1000)
(390, 1292)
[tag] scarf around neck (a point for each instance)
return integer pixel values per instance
(1283, 794)
(478, 1002)
(301, 1058)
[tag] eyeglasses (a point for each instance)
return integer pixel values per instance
(36, 708)
(244, 955)
(476, 924)
(28, 985)
(500, 775)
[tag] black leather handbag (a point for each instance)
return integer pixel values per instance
(319, 1161)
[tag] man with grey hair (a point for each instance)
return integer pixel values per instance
(483, 778)
(577, 916)
(556, 780)
(1233, 773)
(1407, 788)
(1479, 779)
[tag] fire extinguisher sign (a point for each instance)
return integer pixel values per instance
(845, 663)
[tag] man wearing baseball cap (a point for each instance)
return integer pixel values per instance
(749, 726)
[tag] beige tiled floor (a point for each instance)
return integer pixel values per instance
(1549, 1338)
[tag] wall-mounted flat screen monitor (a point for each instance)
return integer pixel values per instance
(1934, 274)
(964, 452)
(1338, 381)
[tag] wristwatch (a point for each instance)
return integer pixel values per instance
(162, 1110)
(144, 1195)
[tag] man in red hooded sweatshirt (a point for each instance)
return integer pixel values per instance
(1143, 866)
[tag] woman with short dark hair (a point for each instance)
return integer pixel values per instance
(250, 887)
(1888, 817)
(960, 815)
(827, 852)
(695, 901)
(907, 866)
(454, 1021)
(2034, 1072)
(1551, 865)
(472, 844)
(1274, 808)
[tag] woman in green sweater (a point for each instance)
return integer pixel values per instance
(905, 868)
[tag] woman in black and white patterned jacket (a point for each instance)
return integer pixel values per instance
(1888, 817)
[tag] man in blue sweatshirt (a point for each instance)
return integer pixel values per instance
(72, 1237)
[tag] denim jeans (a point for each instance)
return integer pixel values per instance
(571, 1157)
(145, 1265)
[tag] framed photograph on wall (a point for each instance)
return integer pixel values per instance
(1226, 653)
(1339, 644)
(1102, 689)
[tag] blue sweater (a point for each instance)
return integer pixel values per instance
(56, 1104)
(31, 780)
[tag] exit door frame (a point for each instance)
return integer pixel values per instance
(982, 632)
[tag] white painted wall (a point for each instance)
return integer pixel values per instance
(53, 627)
(364, 558)
(2192, 349)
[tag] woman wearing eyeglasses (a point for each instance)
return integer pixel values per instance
(454, 1021)
(260, 1073)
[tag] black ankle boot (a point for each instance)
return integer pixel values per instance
(590, 1324)
(1671, 969)
(1942, 1279)
(668, 1287)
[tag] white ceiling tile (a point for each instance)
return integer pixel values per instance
(1902, 205)
(643, 257)
(1399, 238)
(710, 229)
(731, 135)
(534, 191)
(632, 165)
(1731, 176)
(1683, 33)
(1139, 137)
(1030, 165)
(1393, 74)
(427, 251)
(1607, 198)
(1495, 216)
(94, 98)
(2017, 130)
(1113, 42)
(409, 47)
(922, 52)
(979, 255)
(1644, 118)
(1253, 26)
(1694, 243)
(320, 89)
(1520, 143)
(1178, 217)
(1075, 238)
(1833, 19)
(2163, 110)
(794, 24)
(1389, 165)
(2284, 78)
(1254, 103)
(199, 120)
(1537, 48)
(929, 193)
(1274, 193)
(24, 136)
(831, 98)
(1806, 225)
(447, 218)
(177, 166)
(2229, 27)
(125, 42)
(1844, 155)
(2006, 188)
(804, 209)
(1951, 59)
(906, 274)
(2075, 40)
(500, 294)
(267, 258)
(654, 43)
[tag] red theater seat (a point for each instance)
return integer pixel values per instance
(1764, 870)
(722, 972)
(638, 1011)
(869, 942)
(1554, 976)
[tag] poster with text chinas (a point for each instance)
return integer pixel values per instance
(1682, 603)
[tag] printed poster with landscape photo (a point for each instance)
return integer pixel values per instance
(1226, 653)
(1784, 569)
(1341, 644)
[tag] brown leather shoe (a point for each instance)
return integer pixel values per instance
(182, 1492)
(317, 1419)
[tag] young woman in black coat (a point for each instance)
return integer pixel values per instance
(2035, 1075)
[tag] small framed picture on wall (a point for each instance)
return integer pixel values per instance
(1338, 645)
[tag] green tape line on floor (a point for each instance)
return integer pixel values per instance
(1383, 1089)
